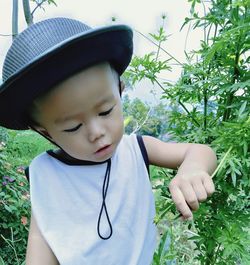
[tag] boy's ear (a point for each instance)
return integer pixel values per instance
(121, 86)
(42, 131)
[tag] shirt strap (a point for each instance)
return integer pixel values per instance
(143, 151)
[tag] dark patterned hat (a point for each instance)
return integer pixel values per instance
(50, 51)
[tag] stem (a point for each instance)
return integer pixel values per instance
(205, 108)
(159, 45)
(183, 106)
(6, 35)
(215, 31)
(38, 5)
(204, 30)
(12, 241)
(230, 97)
(14, 19)
(188, 31)
(216, 253)
(171, 56)
(222, 162)
(208, 34)
(27, 12)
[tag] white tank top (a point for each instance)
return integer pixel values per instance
(67, 198)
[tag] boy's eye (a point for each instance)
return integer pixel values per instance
(73, 129)
(105, 113)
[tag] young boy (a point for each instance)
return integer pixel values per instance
(91, 199)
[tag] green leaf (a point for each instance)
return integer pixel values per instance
(233, 175)
(8, 208)
(242, 108)
(245, 148)
(2, 261)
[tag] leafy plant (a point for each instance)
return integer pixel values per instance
(15, 154)
(210, 104)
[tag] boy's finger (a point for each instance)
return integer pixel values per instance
(208, 185)
(180, 202)
(190, 196)
(200, 191)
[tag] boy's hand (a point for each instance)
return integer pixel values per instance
(189, 189)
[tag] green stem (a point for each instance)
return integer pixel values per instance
(222, 162)
(27, 12)
(14, 19)
(171, 56)
(204, 29)
(205, 108)
(38, 5)
(216, 254)
(183, 106)
(10, 244)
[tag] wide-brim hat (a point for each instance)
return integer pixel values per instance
(50, 51)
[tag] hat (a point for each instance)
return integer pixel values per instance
(50, 51)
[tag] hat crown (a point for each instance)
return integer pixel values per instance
(37, 40)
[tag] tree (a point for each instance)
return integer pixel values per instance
(27, 12)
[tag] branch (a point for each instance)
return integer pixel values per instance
(27, 13)
(8, 35)
(138, 127)
(183, 106)
(205, 14)
(171, 56)
(14, 18)
(38, 5)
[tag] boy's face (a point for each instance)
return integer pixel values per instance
(83, 114)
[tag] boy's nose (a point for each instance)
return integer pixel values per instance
(95, 131)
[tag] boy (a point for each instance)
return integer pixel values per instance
(91, 199)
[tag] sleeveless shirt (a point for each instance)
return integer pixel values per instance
(66, 200)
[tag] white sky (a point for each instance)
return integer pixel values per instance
(142, 15)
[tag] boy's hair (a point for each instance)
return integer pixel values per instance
(33, 112)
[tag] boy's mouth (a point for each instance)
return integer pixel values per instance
(103, 150)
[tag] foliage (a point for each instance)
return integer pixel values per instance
(143, 118)
(16, 151)
(210, 104)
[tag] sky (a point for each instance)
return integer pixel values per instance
(143, 16)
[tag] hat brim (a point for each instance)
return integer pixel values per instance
(113, 44)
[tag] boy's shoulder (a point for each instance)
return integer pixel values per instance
(40, 159)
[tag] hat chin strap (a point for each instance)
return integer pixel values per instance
(45, 136)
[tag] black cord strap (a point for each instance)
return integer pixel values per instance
(104, 207)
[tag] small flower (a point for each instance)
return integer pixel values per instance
(7, 180)
(24, 220)
(20, 169)
(7, 166)
(2, 146)
(11, 180)
(26, 196)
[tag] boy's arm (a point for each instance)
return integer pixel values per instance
(38, 252)
(195, 164)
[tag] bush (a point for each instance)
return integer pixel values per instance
(16, 151)
(210, 104)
